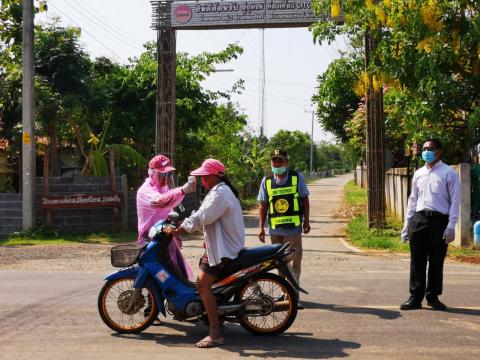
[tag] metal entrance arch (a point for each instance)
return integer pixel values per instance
(169, 16)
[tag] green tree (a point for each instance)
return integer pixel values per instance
(297, 145)
(428, 55)
(336, 100)
(62, 71)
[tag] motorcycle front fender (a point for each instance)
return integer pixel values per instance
(141, 280)
(130, 272)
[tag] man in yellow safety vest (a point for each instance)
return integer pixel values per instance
(283, 198)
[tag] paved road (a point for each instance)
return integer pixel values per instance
(351, 311)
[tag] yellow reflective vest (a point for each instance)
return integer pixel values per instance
(284, 211)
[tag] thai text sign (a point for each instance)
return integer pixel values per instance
(81, 201)
(247, 13)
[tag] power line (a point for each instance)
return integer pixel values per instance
(101, 26)
(287, 98)
(91, 35)
(272, 98)
(285, 82)
(110, 24)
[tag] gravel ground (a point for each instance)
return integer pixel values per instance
(77, 257)
(70, 257)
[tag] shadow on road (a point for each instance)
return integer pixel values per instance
(463, 311)
(381, 313)
(243, 344)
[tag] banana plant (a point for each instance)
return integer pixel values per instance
(96, 163)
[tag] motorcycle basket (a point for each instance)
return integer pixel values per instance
(125, 255)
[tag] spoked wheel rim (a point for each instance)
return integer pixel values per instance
(116, 309)
(274, 298)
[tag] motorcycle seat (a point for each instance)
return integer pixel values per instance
(250, 256)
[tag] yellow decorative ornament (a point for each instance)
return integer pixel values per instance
(281, 205)
(335, 9)
(93, 139)
(380, 14)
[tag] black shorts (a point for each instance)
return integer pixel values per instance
(212, 270)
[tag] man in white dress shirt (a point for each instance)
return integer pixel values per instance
(432, 212)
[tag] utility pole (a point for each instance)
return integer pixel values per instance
(262, 112)
(28, 120)
(375, 143)
(311, 142)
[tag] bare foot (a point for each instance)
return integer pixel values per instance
(209, 342)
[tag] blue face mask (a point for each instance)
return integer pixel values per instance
(429, 156)
(279, 170)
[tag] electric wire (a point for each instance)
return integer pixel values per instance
(278, 82)
(110, 24)
(288, 98)
(107, 31)
(119, 58)
(273, 98)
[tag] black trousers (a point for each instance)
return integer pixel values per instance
(427, 244)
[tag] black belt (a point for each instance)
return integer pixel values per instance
(430, 213)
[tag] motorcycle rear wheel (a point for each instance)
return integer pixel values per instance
(113, 302)
(276, 296)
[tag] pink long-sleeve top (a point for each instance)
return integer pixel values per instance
(154, 203)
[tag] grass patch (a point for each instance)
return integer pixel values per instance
(357, 230)
(355, 195)
(249, 202)
(381, 239)
(55, 237)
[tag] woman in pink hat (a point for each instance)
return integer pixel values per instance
(220, 216)
(155, 199)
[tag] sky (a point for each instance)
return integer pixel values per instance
(118, 28)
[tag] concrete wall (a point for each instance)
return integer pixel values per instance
(396, 183)
(78, 220)
(10, 213)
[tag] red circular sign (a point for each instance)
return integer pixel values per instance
(183, 13)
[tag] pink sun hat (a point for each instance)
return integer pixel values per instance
(209, 167)
(161, 163)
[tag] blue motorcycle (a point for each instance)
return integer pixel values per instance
(247, 292)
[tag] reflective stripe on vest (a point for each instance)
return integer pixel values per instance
(285, 220)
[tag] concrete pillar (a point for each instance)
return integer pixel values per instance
(463, 229)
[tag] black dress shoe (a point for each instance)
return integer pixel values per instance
(411, 304)
(436, 304)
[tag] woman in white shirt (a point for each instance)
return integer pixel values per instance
(220, 216)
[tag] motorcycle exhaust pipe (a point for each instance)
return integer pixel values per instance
(228, 309)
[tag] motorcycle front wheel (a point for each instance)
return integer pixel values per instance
(122, 314)
(271, 305)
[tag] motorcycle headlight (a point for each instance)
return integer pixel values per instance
(155, 229)
(152, 232)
